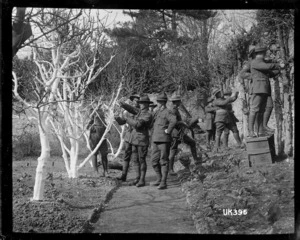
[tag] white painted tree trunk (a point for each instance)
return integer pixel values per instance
(74, 158)
(65, 157)
(43, 162)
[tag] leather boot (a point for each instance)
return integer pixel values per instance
(208, 136)
(124, 172)
(252, 118)
(157, 170)
(217, 143)
(225, 141)
(171, 162)
(266, 118)
(142, 181)
(137, 169)
(197, 159)
(163, 183)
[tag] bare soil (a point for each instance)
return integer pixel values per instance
(146, 209)
(68, 202)
(226, 181)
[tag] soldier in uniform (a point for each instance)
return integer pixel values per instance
(127, 134)
(261, 91)
(245, 74)
(232, 126)
(178, 136)
(152, 110)
(163, 124)
(210, 112)
(139, 138)
(222, 118)
(97, 130)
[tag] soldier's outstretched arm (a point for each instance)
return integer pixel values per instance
(273, 73)
(143, 121)
(210, 109)
(129, 108)
(264, 66)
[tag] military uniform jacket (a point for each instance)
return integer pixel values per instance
(231, 113)
(209, 116)
(97, 127)
(176, 131)
(260, 73)
(222, 113)
(163, 119)
(129, 113)
(140, 124)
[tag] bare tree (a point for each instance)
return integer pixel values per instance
(61, 81)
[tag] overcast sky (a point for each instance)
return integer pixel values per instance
(113, 18)
(230, 18)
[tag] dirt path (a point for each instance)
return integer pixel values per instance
(146, 209)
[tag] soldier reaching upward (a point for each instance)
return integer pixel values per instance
(164, 123)
(261, 91)
(139, 138)
(127, 135)
(245, 74)
(232, 126)
(222, 119)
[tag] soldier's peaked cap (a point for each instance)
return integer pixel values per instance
(260, 49)
(162, 97)
(134, 96)
(144, 99)
(175, 98)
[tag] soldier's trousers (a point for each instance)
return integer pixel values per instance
(139, 154)
(210, 134)
(160, 153)
(258, 103)
(187, 140)
(226, 127)
(130, 151)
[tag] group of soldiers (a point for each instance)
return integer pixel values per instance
(158, 126)
(219, 115)
(162, 128)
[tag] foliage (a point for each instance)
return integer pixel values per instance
(25, 70)
(163, 55)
